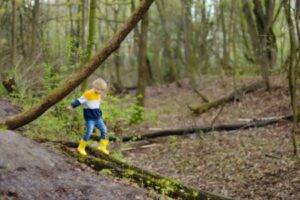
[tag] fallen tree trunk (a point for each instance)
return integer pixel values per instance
(75, 80)
(205, 129)
(201, 95)
(144, 178)
(237, 94)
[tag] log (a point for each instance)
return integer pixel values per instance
(255, 123)
(78, 76)
(201, 95)
(144, 178)
(237, 94)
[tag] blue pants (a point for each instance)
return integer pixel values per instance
(90, 124)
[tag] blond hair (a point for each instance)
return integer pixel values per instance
(99, 84)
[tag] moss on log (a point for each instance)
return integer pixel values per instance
(144, 178)
(199, 109)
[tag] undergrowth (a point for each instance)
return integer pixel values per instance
(119, 113)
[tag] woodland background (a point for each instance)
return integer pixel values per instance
(171, 72)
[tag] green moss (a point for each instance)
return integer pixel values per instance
(144, 178)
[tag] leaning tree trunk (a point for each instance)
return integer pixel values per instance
(77, 77)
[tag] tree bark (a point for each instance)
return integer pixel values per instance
(143, 72)
(262, 36)
(170, 64)
(225, 58)
(235, 95)
(35, 25)
(21, 32)
(91, 39)
(13, 34)
(135, 33)
(187, 39)
(83, 24)
(117, 58)
(77, 77)
(292, 74)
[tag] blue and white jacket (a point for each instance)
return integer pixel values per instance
(91, 105)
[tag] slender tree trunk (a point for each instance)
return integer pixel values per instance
(225, 58)
(136, 33)
(13, 33)
(292, 74)
(21, 29)
(117, 54)
(78, 76)
(203, 42)
(57, 29)
(143, 73)
(35, 25)
(259, 31)
(172, 71)
(91, 37)
(74, 30)
(297, 19)
(187, 31)
(83, 24)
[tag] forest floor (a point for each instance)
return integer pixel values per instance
(245, 164)
(256, 163)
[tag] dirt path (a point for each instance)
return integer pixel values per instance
(29, 170)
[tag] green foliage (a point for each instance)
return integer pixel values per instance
(120, 109)
(106, 172)
(57, 123)
(117, 154)
(2, 90)
(137, 114)
(51, 77)
(172, 139)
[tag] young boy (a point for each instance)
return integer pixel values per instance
(93, 115)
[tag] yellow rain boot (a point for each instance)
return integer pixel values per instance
(103, 145)
(81, 147)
